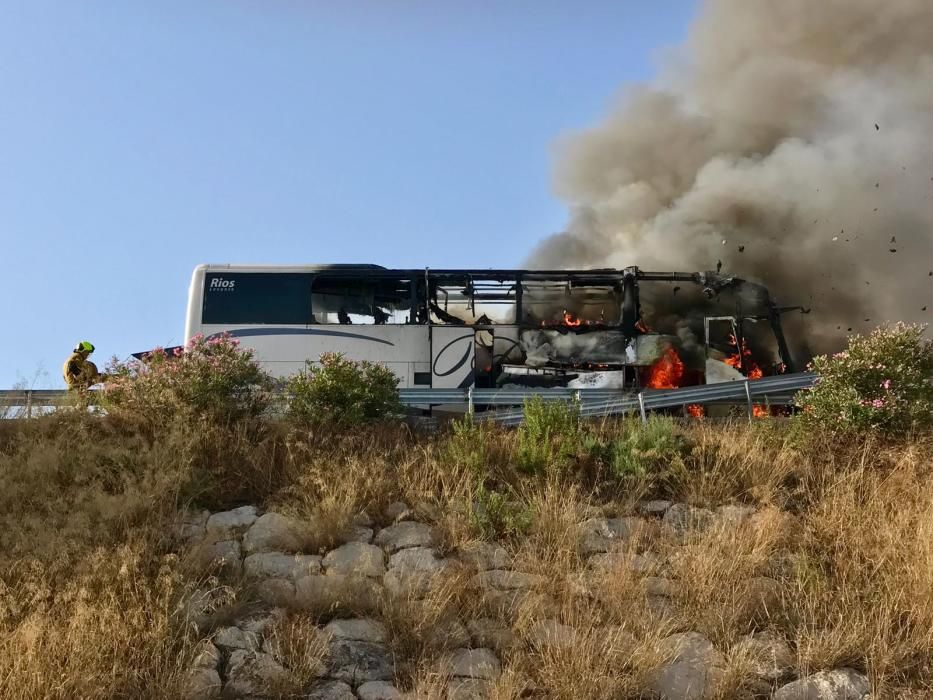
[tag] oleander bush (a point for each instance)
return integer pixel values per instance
(882, 382)
(341, 391)
(209, 378)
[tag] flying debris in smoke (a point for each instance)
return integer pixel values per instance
(767, 130)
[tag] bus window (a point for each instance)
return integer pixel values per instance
(361, 301)
(468, 301)
(257, 297)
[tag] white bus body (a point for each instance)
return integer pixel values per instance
(436, 328)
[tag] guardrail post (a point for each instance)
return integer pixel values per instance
(748, 396)
(641, 407)
(470, 401)
(29, 403)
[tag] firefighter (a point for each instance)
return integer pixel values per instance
(79, 372)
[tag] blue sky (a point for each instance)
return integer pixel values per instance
(138, 139)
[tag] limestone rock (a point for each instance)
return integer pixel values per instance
(487, 632)
(405, 534)
(468, 689)
(607, 534)
(654, 509)
(683, 519)
(410, 585)
(330, 690)
(839, 684)
(471, 663)
(770, 656)
(201, 684)
(733, 515)
(423, 559)
(694, 669)
(504, 580)
(411, 571)
(484, 556)
(357, 533)
(428, 511)
(398, 511)
(206, 656)
(357, 629)
(254, 673)
(258, 623)
(356, 558)
(274, 532)
(280, 565)
(276, 591)
(356, 662)
(230, 638)
(192, 525)
(320, 593)
(508, 605)
(228, 524)
(448, 633)
(378, 690)
(223, 557)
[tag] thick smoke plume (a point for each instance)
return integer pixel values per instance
(793, 141)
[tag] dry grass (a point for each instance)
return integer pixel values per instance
(301, 647)
(90, 584)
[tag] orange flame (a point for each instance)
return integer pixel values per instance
(571, 320)
(760, 411)
(667, 371)
(735, 360)
(695, 410)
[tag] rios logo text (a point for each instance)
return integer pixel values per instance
(220, 284)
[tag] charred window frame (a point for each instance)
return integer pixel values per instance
(473, 300)
(555, 300)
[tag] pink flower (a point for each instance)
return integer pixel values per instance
(886, 384)
(877, 403)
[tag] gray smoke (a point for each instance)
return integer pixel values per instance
(793, 141)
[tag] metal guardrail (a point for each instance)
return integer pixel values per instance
(593, 402)
(30, 399)
(777, 390)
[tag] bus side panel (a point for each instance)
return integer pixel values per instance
(282, 350)
(452, 356)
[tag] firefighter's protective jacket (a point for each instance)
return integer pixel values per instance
(79, 372)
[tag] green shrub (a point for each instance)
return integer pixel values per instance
(549, 436)
(496, 515)
(212, 378)
(466, 446)
(881, 382)
(642, 448)
(342, 391)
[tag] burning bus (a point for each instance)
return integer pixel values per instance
(623, 328)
